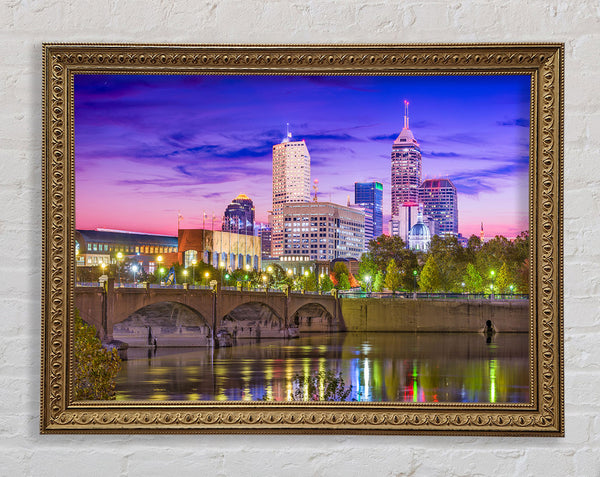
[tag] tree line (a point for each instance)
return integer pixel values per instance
(497, 266)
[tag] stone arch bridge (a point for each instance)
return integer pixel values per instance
(104, 307)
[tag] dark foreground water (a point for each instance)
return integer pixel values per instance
(408, 367)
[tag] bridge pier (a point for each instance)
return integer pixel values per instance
(108, 308)
(214, 316)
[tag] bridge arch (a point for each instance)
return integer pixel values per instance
(315, 317)
(253, 319)
(275, 302)
(128, 303)
(165, 323)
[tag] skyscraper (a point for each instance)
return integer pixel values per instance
(323, 231)
(291, 183)
(239, 216)
(369, 196)
(440, 203)
(406, 167)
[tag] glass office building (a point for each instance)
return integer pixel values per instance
(369, 196)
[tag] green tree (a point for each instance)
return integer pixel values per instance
(382, 250)
(473, 279)
(342, 276)
(277, 276)
(430, 280)
(392, 277)
(326, 284)
(343, 282)
(367, 266)
(385, 248)
(94, 368)
(521, 262)
(522, 278)
(340, 268)
(493, 254)
(503, 280)
(451, 260)
(378, 281)
(309, 281)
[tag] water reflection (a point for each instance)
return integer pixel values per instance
(421, 367)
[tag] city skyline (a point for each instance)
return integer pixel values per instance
(147, 147)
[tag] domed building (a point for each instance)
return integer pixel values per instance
(419, 237)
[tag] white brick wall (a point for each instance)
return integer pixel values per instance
(27, 23)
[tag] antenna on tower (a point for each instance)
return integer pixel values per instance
(405, 114)
(288, 134)
(316, 189)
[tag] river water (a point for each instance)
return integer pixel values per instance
(405, 367)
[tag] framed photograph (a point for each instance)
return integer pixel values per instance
(302, 239)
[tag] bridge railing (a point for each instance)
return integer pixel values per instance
(180, 286)
(435, 296)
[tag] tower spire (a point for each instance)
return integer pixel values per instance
(288, 134)
(406, 114)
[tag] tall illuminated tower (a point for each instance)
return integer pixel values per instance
(440, 203)
(291, 183)
(406, 167)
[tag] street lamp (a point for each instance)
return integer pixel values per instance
(119, 258)
(511, 289)
(463, 287)
(222, 268)
(264, 279)
(185, 276)
(207, 276)
(159, 259)
(320, 282)
(367, 280)
(134, 269)
(194, 262)
(161, 271)
(493, 273)
(103, 267)
(415, 274)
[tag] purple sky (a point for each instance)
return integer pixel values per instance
(148, 146)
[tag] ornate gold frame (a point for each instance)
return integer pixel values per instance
(542, 416)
